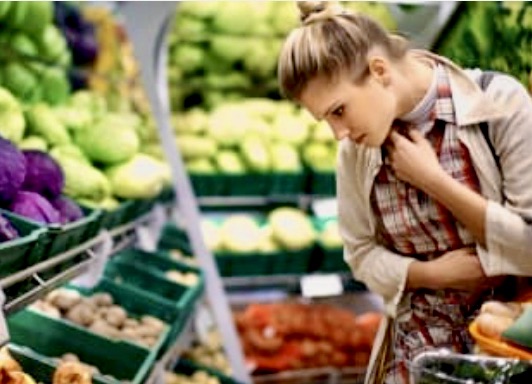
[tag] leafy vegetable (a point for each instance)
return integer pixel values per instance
(34, 207)
(68, 210)
(43, 174)
(12, 171)
(7, 231)
(11, 116)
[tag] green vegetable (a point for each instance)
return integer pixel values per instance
(42, 121)
(108, 141)
(229, 162)
(34, 142)
(256, 154)
(195, 146)
(73, 118)
(19, 79)
(200, 167)
(69, 151)
(285, 158)
(292, 228)
(83, 181)
(12, 125)
(520, 332)
(55, 86)
(141, 177)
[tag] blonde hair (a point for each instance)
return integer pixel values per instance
(330, 41)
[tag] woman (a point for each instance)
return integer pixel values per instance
(428, 219)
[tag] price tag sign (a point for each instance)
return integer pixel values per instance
(321, 285)
(325, 208)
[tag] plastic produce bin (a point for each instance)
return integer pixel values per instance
(23, 252)
(145, 277)
(187, 367)
(53, 338)
(127, 212)
(287, 184)
(159, 263)
(322, 183)
(173, 237)
(330, 259)
(60, 238)
(41, 368)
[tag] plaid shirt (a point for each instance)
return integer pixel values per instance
(408, 220)
(411, 223)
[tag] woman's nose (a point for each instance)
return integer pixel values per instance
(340, 131)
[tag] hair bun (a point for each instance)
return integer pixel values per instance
(311, 11)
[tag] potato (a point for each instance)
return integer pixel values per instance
(101, 327)
(103, 299)
(81, 314)
(115, 316)
(63, 298)
(153, 322)
(131, 323)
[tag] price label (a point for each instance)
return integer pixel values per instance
(321, 285)
(325, 208)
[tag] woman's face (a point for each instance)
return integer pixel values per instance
(362, 112)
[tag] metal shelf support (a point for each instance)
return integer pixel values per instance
(147, 25)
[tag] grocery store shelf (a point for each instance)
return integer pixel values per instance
(41, 285)
(131, 226)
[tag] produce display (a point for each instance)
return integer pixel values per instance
(198, 377)
(71, 360)
(209, 352)
(99, 314)
(283, 228)
(33, 187)
(285, 336)
(228, 51)
(507, 326)
(495, 35)
(34, 57)
(94, 171)
(67, 372)
(253, 136)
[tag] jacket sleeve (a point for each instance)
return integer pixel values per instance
(508, 224)
(382, 271)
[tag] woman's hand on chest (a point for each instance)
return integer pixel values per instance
(414, 160)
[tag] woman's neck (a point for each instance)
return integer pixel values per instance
(416, 74)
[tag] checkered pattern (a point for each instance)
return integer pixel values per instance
(408, 220)
(413, 224)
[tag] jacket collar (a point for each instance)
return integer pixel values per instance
(471, 104)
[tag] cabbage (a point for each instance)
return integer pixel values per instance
(12, 171)
(7, 231)
(43, 174)
(68, 210)
(34, 207)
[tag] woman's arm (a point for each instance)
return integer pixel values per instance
(414, 161)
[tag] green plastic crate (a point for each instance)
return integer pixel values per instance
(53, 338)
(19, 254)
(60, 238)
(173, 237)
(187, 367)
(208, 185)
(287, 184)
(166, 196)
(41, 368)
(248, 184)
(159, 263)
(322, 183)
(136, 301)
(152, 280)
(127, 212)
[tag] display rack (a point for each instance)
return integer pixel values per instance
(147, 25)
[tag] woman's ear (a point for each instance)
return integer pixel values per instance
(379, 70)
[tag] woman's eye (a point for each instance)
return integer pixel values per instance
(338, 112)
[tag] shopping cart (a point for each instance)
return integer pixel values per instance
(445, 367)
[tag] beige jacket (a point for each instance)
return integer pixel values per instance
(507, 107)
